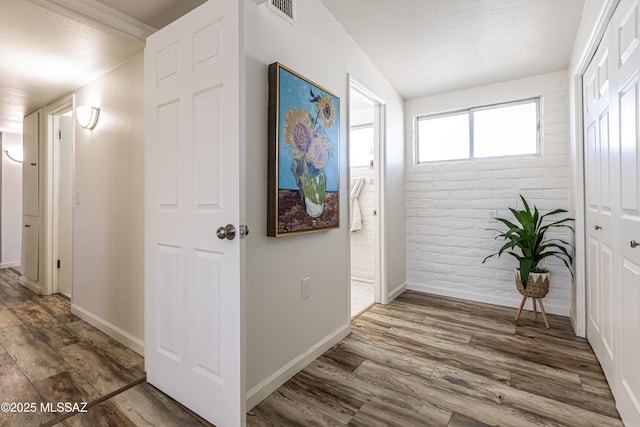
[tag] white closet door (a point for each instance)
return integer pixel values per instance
(599, 245)
(30, 248)
(611, 88)
(30, 137)
(625, 26)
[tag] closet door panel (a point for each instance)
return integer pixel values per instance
(30, 249)
(599, 113)
(30, 176)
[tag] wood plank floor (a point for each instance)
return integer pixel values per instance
(50, 356)
(425, 360)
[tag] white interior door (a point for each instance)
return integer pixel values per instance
(600, 300)
(30, 174)
(193, 306)
(30, 248)
(612, 173)
(626, 46)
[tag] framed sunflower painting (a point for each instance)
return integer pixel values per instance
(304, 146)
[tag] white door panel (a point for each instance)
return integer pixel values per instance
(30, 168)
(626, 21)
(612, 185)
(630, 348)
(30, 248)
(193, 312)
(600, 313)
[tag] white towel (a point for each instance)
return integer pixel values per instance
(356, 215)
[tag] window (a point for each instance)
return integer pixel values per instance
(361, 143)
(498, 130)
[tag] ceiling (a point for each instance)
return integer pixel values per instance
(156, 13)
(423, 47)
(45, 54)
(426, 47)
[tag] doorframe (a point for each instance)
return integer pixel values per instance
(50, 246)
(578, 315)
(379, 120)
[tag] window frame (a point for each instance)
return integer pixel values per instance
(470, 112)
(362, 126)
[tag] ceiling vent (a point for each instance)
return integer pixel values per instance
(284, 8)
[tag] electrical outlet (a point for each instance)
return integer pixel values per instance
(306, 287)
(492, 214)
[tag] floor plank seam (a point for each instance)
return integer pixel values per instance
(95, 402)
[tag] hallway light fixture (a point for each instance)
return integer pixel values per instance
(15, 154)
(87, 116)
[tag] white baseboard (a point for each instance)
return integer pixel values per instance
(393, 294)
(282, 375)
(361, 279)
(110, 329)
(32, 286)
(10, 264)
(504, 301)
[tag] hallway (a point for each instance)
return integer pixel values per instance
(48, 357)
(422, 360)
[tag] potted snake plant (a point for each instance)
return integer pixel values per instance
(526, 240)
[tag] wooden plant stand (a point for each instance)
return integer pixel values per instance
(537, 288)
(535, 312)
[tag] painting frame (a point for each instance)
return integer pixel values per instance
(303, 193)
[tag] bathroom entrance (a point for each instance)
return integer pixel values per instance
(364, 136)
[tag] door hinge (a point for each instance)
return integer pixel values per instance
(58, 263)
(59, 134)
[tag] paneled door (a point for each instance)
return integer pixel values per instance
(599, 246)
(611, 89)
(193, 305)
(625, 26)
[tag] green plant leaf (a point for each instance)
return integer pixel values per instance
(525, 238)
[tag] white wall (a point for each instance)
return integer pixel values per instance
(11, 215)
(108, 244)
(448, 234)
(285, 332)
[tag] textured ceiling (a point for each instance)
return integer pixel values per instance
(45, 55)
(425, 47)
(422, 46)
(156, 13)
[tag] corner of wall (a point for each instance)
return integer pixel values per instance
(282, 375)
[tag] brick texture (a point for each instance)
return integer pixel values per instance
(447, 228)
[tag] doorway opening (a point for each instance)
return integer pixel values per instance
(364, 148)
(61, 146)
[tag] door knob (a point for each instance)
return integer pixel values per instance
(597, 227)
(228, 232)
(634, 244)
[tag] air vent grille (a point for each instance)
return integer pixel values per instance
(284, 8)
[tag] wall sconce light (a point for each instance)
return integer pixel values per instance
(15, 154)
(87, 116)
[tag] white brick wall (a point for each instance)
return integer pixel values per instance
(448, 233)
(362, 243)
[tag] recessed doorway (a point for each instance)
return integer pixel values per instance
(61, 145)
(364, 141)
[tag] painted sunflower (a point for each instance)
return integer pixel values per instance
(297, 131)
(326, 111)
